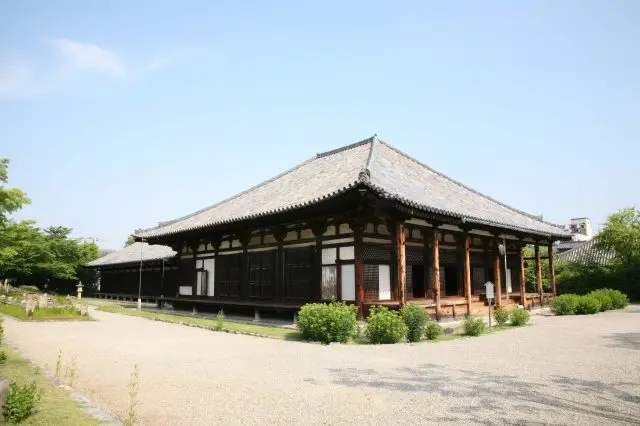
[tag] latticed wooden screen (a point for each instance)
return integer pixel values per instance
(329, 282)
(371, 282)
(376, 254)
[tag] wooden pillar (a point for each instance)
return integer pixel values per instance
(435, 257)
(497, 275)
(194, 269)
(552, 270)
(318, 230)
(523, 281)
(400, 249)
(359, 266)
(467, 272)
(539, 271)
(391, 226)
(426, 258)
(279, 234)
(245, 292)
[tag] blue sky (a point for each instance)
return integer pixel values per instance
(120, 114)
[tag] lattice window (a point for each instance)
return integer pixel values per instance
(379, 254)
(448, 257)
(261, 274)
(227, 274)
(371, 282)
(414, 255)
(298, 272)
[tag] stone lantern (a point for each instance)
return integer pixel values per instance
(79, 286)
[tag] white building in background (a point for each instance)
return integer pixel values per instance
(581, 229)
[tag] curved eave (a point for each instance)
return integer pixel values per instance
(236, 219)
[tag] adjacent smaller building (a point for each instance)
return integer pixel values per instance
(120, 273)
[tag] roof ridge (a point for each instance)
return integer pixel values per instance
(319, 155)
(365, 173)
(531, 216)
(344, 148)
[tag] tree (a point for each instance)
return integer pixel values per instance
(130, 241)
(621, 235)
(11, 199)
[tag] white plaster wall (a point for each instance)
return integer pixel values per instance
(349, 282)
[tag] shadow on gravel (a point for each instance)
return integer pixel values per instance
(506, 399)
(625, 341)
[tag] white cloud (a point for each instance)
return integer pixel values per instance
(66, 60)
(88, 57)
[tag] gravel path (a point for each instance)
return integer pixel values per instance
(561, 370)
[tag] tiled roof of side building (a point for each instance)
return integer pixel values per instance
(370, 162)
(132, 253)
(587, 253)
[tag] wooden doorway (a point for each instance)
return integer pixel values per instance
(451, 281)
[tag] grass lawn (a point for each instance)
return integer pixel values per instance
(56, 406)
(280, 332)
(43, 314)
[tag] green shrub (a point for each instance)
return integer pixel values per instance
(619, 300)
(29, 288)
(606, 301)
(565, 304)
(587, 305)
(385, 326)
(3, 357)
(414, 318)
(220, 320)
(473, 327)
(432, 330)
(501, 316)
(519, 317)
(334, 322)
(20, 402)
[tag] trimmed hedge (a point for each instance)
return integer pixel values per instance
(384, 326)
(432, 330)
(565, 304)
(519, 317)
(588, 305)
(473, 327)
(501, 316)
(333, 322)
(596, 301)
(414, 318)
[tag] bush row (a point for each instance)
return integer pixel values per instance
(336, 322)
(591, 303)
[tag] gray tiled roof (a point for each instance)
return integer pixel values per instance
(587, 253)
(375, 164)
(568, 245)
(131, 254)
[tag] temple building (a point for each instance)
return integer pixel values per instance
(364, 223)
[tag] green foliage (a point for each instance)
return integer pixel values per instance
(621, 235)
(519, 317)
(432, 330)
(20, 402)
(581, 279)
(384, 326)
(29, 288)
(587, 305)
(130, 240)
(28, 253)
(605, 299)
(333, 322)
(220, 320)
(565, 304)
(414, 318)
(11, 199)
(3, 357)
(42, 314)
(133, 396)
(619, 300)
(473, 326)
(501, 316)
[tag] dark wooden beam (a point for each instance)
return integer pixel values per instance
(358, 227)
(435, 257)
(467, 273)
(496, 272)
(552, 270)
(402, 262)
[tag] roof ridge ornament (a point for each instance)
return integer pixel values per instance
(364, 176)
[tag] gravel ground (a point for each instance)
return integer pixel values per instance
(560, 370)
